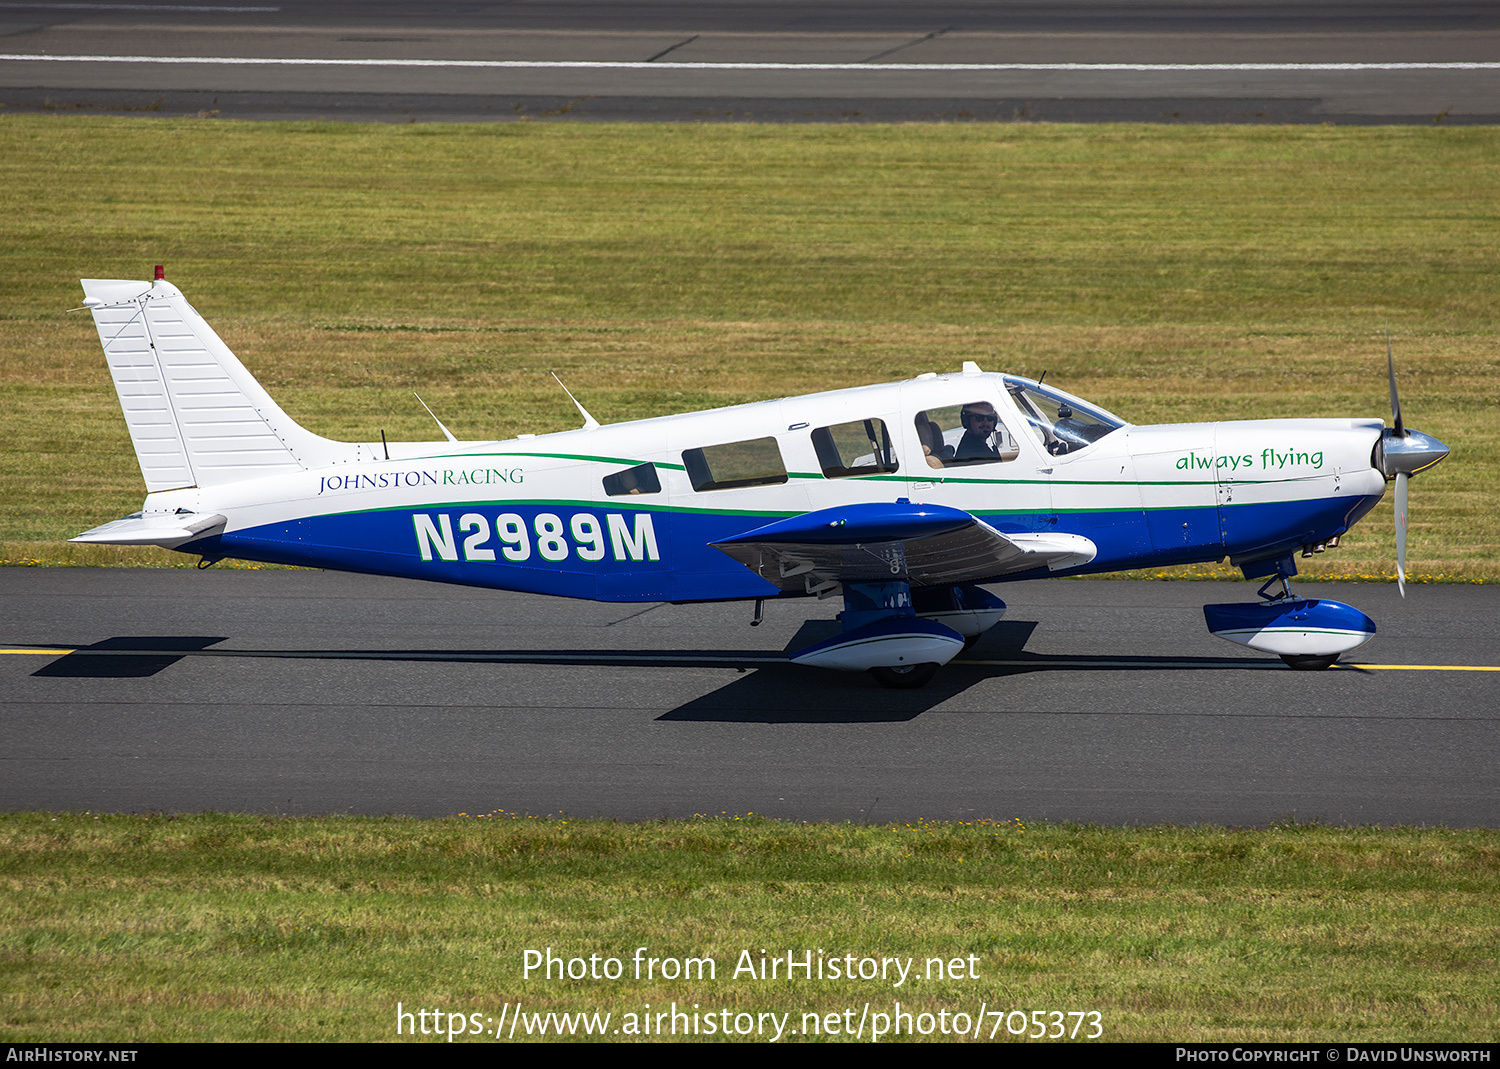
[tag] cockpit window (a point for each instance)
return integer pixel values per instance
(1062, 423)
(859, 448)
(971, 433)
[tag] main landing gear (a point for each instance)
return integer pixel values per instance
(900, 636)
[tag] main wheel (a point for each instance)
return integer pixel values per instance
(906, 676)
(1310, 663)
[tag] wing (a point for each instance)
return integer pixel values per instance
(924, 545)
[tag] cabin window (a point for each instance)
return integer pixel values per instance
(641, 479)
(859, 448)
(971, 433)
(726, 467)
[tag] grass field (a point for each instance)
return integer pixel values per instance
(160, 928)
(1169, 273)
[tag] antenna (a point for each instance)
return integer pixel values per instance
(446, 432)
(589, 422)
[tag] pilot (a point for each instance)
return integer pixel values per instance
(980, 424)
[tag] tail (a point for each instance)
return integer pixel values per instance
(197, 417)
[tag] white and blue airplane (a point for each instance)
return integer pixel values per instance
(901, 498)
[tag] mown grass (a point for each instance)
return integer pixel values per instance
(141, 928)
(1169, 273)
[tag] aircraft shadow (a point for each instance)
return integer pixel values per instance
(801, 696)
(127, 657)
(806, 696)
(145, 655)
(769, 689)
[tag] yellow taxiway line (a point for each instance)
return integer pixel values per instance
(1426, 667)
(1050, 663)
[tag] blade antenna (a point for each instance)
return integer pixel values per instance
(446, 432)
(589, 422)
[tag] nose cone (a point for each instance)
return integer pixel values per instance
(1409, 453)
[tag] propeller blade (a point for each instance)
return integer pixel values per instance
(1390, 363)
(1402, 479)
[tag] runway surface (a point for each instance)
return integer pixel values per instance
(311, 692)
(761, 60)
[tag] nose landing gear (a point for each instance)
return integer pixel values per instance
(1308, 634)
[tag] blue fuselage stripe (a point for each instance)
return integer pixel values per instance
(603, 552)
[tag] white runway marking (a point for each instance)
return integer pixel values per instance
(1149, 68)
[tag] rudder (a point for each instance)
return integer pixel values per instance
(197, 417)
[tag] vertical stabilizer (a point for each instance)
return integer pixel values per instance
(197, 417)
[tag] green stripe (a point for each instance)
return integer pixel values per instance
(936, 478)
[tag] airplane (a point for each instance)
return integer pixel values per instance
(903, 498)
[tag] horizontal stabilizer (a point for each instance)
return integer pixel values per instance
(924, 545)
(166, 529)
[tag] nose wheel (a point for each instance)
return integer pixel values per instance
(1302, 662)
(906, 676)
(1308, 663)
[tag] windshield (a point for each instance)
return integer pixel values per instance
(1061, 422)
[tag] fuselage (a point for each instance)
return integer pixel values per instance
(628, 511)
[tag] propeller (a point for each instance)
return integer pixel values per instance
(1402, 481)
(1403, 453)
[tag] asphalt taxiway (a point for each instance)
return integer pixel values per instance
(761, 60)
(310, 692)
